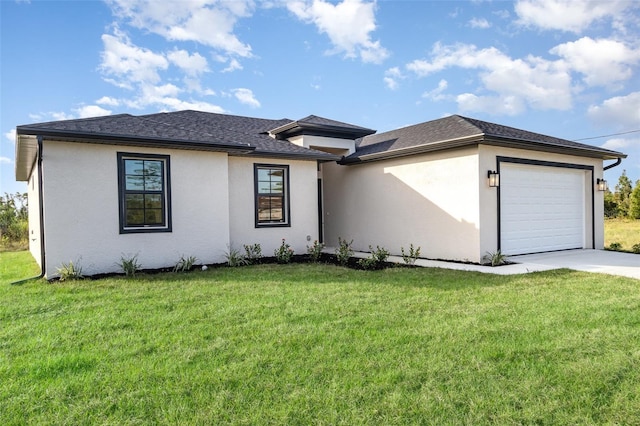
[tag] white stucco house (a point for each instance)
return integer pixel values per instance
(192, 183)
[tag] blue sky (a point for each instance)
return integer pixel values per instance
(565, 68)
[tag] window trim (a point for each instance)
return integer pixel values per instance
(167, 226)
(286, 205)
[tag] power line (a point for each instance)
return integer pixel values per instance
(606, 136)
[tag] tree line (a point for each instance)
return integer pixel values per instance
(624, 202)
(14, 221)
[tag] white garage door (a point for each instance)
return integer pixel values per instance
(541, 208)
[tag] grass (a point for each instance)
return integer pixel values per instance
(623, 231)
(319, 344)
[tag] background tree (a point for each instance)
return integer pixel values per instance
(14, 221)
(634, 202)
(622, 194)
(610, 204)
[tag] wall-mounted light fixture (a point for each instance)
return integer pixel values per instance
(494, 178)
(602, 184)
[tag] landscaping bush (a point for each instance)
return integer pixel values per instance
(284, 253)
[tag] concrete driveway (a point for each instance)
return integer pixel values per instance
(603, 261)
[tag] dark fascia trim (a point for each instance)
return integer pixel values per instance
(168, 227)
(515, 160)
(296, 128)
(114, 139)
(484, 140)
(553, 148)
(290, 156)
(287, 223)
(413, 150)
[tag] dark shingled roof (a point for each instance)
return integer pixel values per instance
(456, 131)
(181, 129)
(320, 126)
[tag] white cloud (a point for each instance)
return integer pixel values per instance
(11, 136)
(127, 63)
(87, 111)
(348, 24)
(602, 61)
(233, 66)
(6, 160)
(568, 15)
(505, 104)
(480, 23)
(618, 144)
(109, 101)
(50, 116)
(246, 96)
(175, 104)
(621, 112)
(209, 22)
(436, 94)
(191, 64)
(512, 84)
(391, 77)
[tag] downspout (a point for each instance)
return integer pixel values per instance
(41, 215)
(611, 166)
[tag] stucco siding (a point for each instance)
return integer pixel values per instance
(489, 203)
(303, 195)
(34, 215)
(81, 209)
(428, 200)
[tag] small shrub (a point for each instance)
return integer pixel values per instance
(615, 247)
(253, 253)
(235, 258)
(636, 248)
(376, 260)
(411, 256)
(494, 259)
(184, 264)
(129, 265)
(70, 271)
(344, 251)
(315, 251)
(284, 253)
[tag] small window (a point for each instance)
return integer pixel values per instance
(272, 195)
(144, 193)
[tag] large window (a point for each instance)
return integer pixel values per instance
(272, 195)
(144, 193)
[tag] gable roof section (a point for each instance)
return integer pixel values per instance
(320, 126)
(457, 131)
(195, 130)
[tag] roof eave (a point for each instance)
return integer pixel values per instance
(291, 155)
(107, 138)
(296, 128)
(420, 149)
(553, 148)
(26, 154)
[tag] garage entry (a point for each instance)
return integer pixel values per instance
(542, 207)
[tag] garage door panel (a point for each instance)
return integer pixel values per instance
(541, 208)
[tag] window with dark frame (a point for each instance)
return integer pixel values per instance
(271, 195)
(144, 193)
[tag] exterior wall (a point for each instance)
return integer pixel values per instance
(33, 198)
(323, 143)
(489, 200)
(303, 193)
(428, 200)
(81, 209)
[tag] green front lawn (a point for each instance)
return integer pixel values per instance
(320, 344)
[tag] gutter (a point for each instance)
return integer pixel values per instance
(611, 166)
(41, 215)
